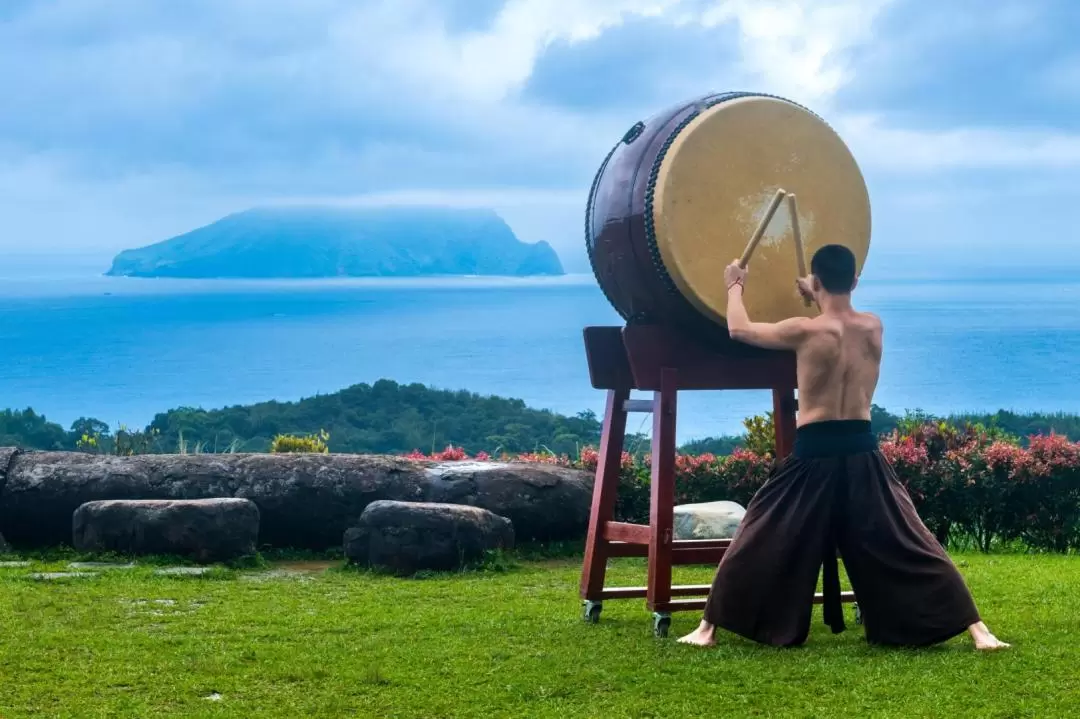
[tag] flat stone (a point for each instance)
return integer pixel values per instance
(276, 574)
(183, 571)
(13, 565)
(100, 565)
(409, 536)
(708, 520)
(208, 530)
(47, 576)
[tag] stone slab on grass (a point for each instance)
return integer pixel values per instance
(208, 530)
(405, 537)
(708, 520)
(50, 576)
(183, 571)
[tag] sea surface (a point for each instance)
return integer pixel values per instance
(75, 344)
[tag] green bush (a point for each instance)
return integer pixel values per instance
(291, 444)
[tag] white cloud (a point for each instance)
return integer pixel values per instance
(799, 49)
(404, 39)
(209, 79)
(963, 148)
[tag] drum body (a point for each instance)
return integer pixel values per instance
(677, 199)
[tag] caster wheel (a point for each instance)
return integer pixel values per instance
(661, 625)
(592, 612)
(858, 615)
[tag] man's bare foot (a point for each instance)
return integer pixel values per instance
(984, 640)
(703, 636)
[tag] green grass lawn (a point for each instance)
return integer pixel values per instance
(339, 643)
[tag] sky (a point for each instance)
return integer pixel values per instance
(124, 122)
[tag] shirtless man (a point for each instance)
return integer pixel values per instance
(835, 493)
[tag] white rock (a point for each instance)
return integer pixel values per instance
(708, 520)
(47, 576)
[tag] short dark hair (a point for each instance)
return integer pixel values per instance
(834, 266)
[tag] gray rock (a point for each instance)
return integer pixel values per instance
(5, 548)
(183, 571)
(708, 520)
(49, 576)
(544, 502)
(304, 500)
(99, 565)
(14, 565)
(210, 530)
(405, 537)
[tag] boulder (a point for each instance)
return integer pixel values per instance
(5, 548)
(708, 520)
(306, 501)
(208, 530)
(405, 537)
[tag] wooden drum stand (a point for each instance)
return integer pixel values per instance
(657, 359)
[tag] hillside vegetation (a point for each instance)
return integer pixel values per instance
(388, 417)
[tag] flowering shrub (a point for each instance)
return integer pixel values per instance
(970, 484)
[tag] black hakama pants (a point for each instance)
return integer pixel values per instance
(836, 493)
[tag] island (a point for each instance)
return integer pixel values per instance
(323, 242)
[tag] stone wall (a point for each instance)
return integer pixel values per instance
(306, 501)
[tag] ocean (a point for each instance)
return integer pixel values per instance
(121, 349)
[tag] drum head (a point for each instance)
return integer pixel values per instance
(715, 183)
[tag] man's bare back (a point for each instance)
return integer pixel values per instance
(839, 361)
(838, 355)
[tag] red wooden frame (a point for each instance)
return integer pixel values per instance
(645, 357)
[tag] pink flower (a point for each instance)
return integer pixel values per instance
(451, 454)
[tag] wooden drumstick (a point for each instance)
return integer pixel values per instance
(760, 231)
(796, 235)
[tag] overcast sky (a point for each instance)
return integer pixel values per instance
(123, 122)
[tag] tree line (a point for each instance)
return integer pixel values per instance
(391, 418)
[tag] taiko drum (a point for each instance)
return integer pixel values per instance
(679, 196)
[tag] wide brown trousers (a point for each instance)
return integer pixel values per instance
(837, 492)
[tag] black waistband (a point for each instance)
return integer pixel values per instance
(834, 438)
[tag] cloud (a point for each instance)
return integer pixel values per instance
(800, 50)
(968, 148)
(127, 119)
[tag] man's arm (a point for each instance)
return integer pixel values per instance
(784, 335)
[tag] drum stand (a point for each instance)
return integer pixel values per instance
(652, 358)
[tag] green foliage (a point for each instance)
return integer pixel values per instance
(761, 435)
(94, 437)
(386, 418)
(980, 488)
(713, 445)
(29, 430)
(311, 444)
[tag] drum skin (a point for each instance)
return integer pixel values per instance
(678, 197)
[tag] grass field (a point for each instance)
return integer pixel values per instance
(316, 640)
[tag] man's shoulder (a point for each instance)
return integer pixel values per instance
(872, 320)
(824, 325)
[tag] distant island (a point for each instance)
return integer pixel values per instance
(322, 242)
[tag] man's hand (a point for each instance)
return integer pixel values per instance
(734, 274)
(806, 288)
